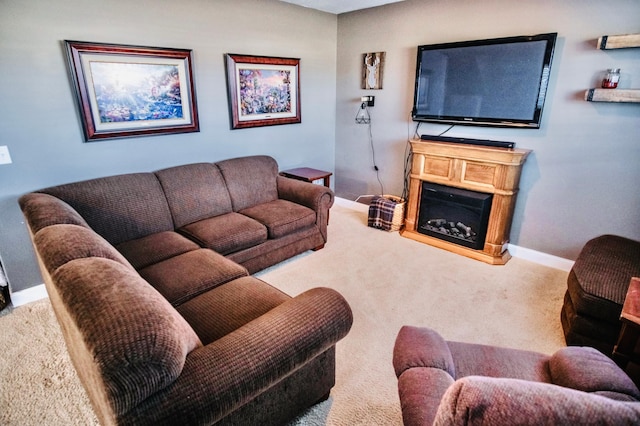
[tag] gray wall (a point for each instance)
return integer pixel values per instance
(39, 121)
(582, 177)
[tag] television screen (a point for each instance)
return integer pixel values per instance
(496, 82)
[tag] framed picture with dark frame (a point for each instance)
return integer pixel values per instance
(127, 91)
(263, 90)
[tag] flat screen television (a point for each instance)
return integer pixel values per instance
(498, 82)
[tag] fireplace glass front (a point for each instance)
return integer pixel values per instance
(455, 215)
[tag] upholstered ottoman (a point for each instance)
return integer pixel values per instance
(596, 288)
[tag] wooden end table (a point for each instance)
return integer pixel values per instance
(308, 174)
(626, 352)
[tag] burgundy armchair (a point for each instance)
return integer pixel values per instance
(453, 383)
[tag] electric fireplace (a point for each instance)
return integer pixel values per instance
(462, 197)
(455, 215)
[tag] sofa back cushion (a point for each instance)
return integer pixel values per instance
(121, 207)
(194, 192)
(135, 339)
(250, 180)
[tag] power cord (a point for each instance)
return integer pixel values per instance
(408, 157)
(363, 116)
(415, 133)
(373, 156)
(408, 154)
(447, 129)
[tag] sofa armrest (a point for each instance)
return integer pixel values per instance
(476, 400)
(42, 210)
(319, 198)
(230, 371)
(316, 197)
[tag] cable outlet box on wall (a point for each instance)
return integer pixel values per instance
(369, 100)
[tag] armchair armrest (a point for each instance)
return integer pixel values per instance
(420, 347)
(228, 372)
(476, 400)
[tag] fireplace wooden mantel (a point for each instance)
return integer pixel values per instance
(485, 169)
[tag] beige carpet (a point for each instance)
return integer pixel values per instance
(387, 279)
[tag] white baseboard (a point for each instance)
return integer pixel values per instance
(343, 202)
(31, 294)
(541, 258)
(516, 251)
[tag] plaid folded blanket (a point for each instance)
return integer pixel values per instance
(381, 213)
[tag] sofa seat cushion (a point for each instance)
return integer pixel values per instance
(185, 276)
(272, 251)
(226, 233)
(136, 342)
(209, 313)
(281, 217)
(155, 248)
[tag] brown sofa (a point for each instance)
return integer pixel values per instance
(454, 383)
(148, 274)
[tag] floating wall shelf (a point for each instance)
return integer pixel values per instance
(609, 42)
(619, 41)
(612, 95)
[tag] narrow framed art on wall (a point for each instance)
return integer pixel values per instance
(126, 91)
(373, 70)
(263, 90)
